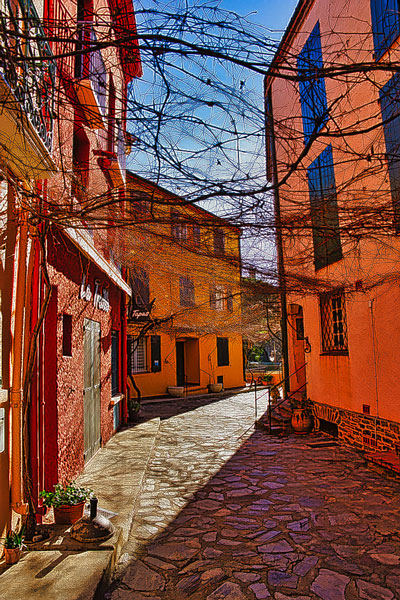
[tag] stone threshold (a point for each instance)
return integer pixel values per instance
(388, 460)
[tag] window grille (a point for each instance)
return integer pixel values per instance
(333, 323)
(137, 354)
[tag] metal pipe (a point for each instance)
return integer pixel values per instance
(17, 503)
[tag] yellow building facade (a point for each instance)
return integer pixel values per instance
(184, 319)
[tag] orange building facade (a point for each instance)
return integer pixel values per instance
(184, 317)
(332, 146)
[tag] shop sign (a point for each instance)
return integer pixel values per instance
(101, 298)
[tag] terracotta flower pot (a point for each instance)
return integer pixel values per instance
(68, 515)
(12, 555)
(214, 388)
(301, 421)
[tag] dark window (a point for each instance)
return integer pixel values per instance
(155, 353)
(390, 106)
(314, 106)
(196, 236)
(324, 210)
(385, 24)
(299, 328)
(111, 117)
(67, 335)
(186, 291)
(140, 288)
(114, 363)
(333, 322)
(219, 243)
(222, 352)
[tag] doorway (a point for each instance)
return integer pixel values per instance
(91, 387)
(180, 363)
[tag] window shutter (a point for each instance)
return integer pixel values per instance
(222, 352)
(385, 24)
(229, 300)
(213, 299)
(324, 210)
(114, 363)
(314, 106)
(155, 353)
(390, 107)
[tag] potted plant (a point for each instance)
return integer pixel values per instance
(302, 419)
(267, 379)
(68, 502)
(12, 545)
(133, 409)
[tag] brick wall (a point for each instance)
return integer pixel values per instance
(360, 430)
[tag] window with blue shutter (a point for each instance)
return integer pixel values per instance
(390, 107)
(155, 347)
(385, 24)
(314, 107)
(324, 210)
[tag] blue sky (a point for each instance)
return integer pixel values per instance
(274, 14)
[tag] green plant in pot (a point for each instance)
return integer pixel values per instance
(12, 545)
(68, 502)
(267, 379)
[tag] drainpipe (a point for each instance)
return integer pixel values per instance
(279, 244)
(17, 503)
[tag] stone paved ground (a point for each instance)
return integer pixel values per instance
(227, 516)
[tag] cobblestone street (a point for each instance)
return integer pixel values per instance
(230, 513)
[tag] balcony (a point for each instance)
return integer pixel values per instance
(90, 77)
(27, 90)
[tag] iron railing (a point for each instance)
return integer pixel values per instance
(27, 65)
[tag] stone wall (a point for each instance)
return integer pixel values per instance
(365, 432)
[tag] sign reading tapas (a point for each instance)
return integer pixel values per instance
(138, 314)
(100, 294)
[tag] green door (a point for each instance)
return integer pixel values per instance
(91, 387)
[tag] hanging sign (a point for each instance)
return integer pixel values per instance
(101, 296)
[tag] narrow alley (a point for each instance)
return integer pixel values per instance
(227, 512)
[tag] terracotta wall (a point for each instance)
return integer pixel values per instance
(368, 374)
(64, 375)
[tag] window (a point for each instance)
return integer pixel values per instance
(67, 335)
(390, 107)
(324, 210)
(299, 328)
(80, 161)
(178, 229)
(196, 236)
(221, 299)
(140, 203)
(219, 243)
(114, 363)
(385, 24)
(155, 353)
(137, 355)
(140, 288)
(222, 352)
(333, 322)
(186, 291)
(314, 106)
(229, 300)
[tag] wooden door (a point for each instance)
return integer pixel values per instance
(91, 387)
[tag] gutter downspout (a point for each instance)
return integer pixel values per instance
(279, 243)
(16, 394)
